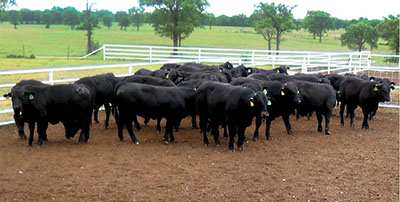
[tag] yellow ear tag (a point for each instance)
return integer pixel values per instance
(376, 89)
(277, 70)
(166, 76)
(251, 104)
(282, 93)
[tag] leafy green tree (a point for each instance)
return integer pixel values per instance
(389, 30)
(263, 27)
(47, 18)
(107, 21)
(122, 18)
(14, 17)
(103, 13)
(6, 3)
(358, 34)
(209, 18)
(137, 16)
(176, 19)
(70, 17)
(57, 15)
(27, 16)
(318, 22)
(279, 16)
(36, 16)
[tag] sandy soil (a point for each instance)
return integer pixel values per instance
(350, 165)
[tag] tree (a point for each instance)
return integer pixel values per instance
(89, 21)
(263, 27)
(70, 17)
(137, 15)
(389, 30)
(175, 19)
(107, 21)
(36, 15)
(15, 17)
(27, 16)
(209, 19)
(318, 22)
(6, 3)
(358, 34)
(47, 18)
(279, 17)
(57, 15)
(122, 18)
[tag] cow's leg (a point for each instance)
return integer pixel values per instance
(342, 105)
(365, 124)
(146, 121)
(158, 127)
(258, 124)
(86, 128)
(128, 126)
(137, 124)
(352, 115)
(298, 116)
(108, 110)
(20, 125)
(96, 114)
(327, 122)
(41, 129)
(203, 128)
(232, 134)
(171, 132)
(215, 133)
(241, 137)
(225, 131)
(168, 129)
(286, 121)
(177, 124)
(194, 122)
(120, 126)
(267, 128)
(319, 118)
(31, 132)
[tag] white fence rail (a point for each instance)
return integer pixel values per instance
(299, 61)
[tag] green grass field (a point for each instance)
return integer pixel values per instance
(56, 41)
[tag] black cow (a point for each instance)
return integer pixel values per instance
(279, 70)
(172, 103)
(283, 99)
(169, 66)
(149, 80)
(234, 106)
(17, 93)
(261, 76)
(160, 73)
(318, 98)
(386, 82)
(102, 89)
(366, 94)
(240, 71)
(71, 104)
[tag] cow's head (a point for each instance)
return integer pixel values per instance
(381, 91)
(258, 103)
(290, 91)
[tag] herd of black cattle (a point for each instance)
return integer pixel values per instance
(220, 96)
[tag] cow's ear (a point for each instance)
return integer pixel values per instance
(392, 84)
(372, 78)
(7, 95)
(251, 102)
(287, 67)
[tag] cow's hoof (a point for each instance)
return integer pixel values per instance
(136, 142)
(319, 129)
(327, 132)
(218, 145)
(241, 148)
(121, 139)
(166, 142)
(255, 138)
(105, 127)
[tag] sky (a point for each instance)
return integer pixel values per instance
(343, 9)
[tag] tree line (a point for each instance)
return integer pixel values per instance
(178, 19)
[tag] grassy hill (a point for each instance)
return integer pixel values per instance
(60, 40)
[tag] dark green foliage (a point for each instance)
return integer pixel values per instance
(358, 34)
(389, 30)
(318, 23)
(70, 17)
(14, 17)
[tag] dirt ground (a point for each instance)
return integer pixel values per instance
(350, 165)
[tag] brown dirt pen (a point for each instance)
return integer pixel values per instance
(351, 164)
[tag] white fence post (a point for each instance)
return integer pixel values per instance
(151, 54)
(51, 77)
(329, 63)
(273, 61)
(252, 57)
(304, 66)
(199, 56)
(130, 70)
(104, 52)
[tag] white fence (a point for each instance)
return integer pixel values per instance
(299, 61)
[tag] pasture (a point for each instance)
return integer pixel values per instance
(350, 165)
(36, 40)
